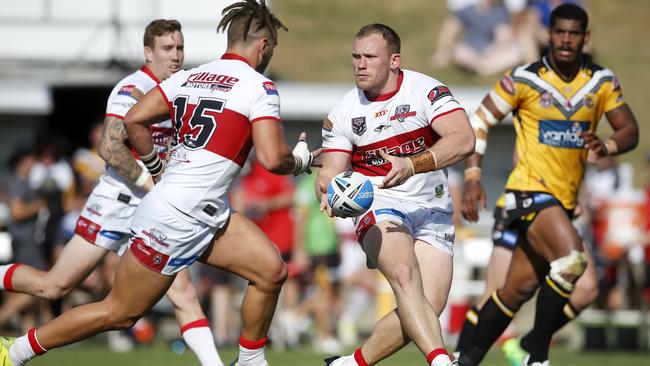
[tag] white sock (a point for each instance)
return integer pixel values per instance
(251, 353)
(441, 360)
(25, 348)
(6, 272)
(199, 338)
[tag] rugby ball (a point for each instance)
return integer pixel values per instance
(350, 194)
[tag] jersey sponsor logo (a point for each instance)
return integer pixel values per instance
(87, 229)
(148, 255)
(382, 127)
(381, 113)
(94, 209)
(408, 148)
(402, 112)
(127, 90)
(359, 125)
(546, 99)
(270, 88)
(156, 237)
(177, 262)
(113, 235)
(563, 134)
(207, 80)
(440, 191)
(508, 84)
(438, 93)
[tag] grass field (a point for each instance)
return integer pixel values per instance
(96, 354)
(318, 44)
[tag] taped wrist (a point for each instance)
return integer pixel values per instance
(473, 173)
(153, 163)
(143, 178)
(424, 162)
(611, 147)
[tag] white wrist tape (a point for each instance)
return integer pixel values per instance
(502, 106)
(302, 158)
(143, 178)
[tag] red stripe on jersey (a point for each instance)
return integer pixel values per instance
(114, 115)
(234, 56)
(266, 117)
(367, 161)
(446, 113)
(170, 107)
(231, 137)
(338, 150)
(147, 71)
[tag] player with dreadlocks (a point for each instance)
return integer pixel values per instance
(219, 111)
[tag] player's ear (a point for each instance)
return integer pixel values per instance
(148, 54)
(395, 60)
(587, 37)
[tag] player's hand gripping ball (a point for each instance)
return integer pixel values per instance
(350, 194)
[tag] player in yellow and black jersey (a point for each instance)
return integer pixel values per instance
(556, 105)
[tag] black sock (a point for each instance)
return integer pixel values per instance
(469, 329)
(569, 313)
(493, 319)
(551, 300)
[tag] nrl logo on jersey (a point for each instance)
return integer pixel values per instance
(359, 125)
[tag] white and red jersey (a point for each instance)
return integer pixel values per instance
(399, 123)
(122, 98)
(213, 107)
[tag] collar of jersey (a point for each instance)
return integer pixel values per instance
(150, 73)
(387, 96)
(234, 56)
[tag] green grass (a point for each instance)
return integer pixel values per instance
(318, 44)
(96, 354)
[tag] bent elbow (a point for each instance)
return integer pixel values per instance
(271, 163)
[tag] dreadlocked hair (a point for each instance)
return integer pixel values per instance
(241, 16)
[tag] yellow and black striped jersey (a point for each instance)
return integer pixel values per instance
(548, 113)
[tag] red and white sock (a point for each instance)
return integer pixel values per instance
(251, 353)
(25, 348)
(199, 338)
(6, 274)
(439, 357)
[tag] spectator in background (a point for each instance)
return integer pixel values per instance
(488, 45)
(87, 163)
(25, 206)
(316, 236)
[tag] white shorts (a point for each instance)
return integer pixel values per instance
(430, 225)
(106, 217)
(165, 239)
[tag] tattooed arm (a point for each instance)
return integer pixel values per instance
(117, 155)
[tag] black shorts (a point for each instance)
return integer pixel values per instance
(512, 221)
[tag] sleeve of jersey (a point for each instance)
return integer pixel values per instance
(440, 102)
(127, 96)
(504, 94)
(168, 88)
(267, 104)
(334, 134)
(613, 94)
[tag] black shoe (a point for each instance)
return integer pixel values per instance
(329, 360)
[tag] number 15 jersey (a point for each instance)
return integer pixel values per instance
(213, 107)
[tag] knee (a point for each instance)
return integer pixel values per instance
(274, 277)
(116, 317)
(513, 298)
(402, 277)
(566, 271)
(56, 290)
(586, 290)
